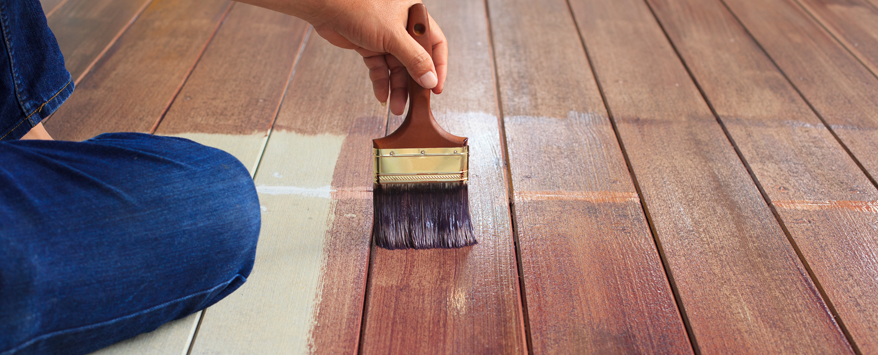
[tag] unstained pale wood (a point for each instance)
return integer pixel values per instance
(456, 301)
(171, 338)
(234, 93)
(841, 90)
(132, 85)
(307, 288)
(84, 29)
(809, 178)
(593, 279)
(740, 282)
(854, 23)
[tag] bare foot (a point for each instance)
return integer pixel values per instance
(38, 133)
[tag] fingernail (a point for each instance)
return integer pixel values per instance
(428, 81)
(383, 103)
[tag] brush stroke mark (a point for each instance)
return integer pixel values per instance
(455, 301)
(323, 192)
(342, 288)
(358, 193)
(859, 206)
(590, 196)
(273, 311)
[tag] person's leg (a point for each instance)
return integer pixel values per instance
(105, 239)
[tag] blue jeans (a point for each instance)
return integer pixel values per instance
(33, 80)
(105, 239)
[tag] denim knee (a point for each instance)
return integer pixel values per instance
(118, 234)
(228, 205)
(236, 212)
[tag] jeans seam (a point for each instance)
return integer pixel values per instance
(39, 109)
(10, 50)
(114, 320)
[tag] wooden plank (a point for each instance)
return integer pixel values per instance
(171, 338)
(593, 279)
(741, 285)
(50, 5)
(233, 95)
(812, 182)
(314, 182)
(132, 85)
(85, 28)
(456, 301)
(854, 23)
(840, 89)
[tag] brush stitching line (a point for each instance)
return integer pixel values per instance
(105, 323)
(39, 109)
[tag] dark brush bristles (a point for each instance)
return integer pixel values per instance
(422, 216)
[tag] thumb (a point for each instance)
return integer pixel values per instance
(415, 59)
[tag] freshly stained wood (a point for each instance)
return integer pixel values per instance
(842, 91)
(593, 253)
(235, 91)
(456, 301)
(85, 28)
(593, 279)
(854, 23)
(307, 288)
(796, 160)
(132, 85)
(740, 282)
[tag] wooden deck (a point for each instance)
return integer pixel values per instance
(647, 176)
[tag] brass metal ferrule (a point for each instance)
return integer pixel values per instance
(421, 165)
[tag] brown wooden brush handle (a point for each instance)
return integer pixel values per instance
(419, 130)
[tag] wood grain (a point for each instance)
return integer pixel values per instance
(740, 282)
(821, 195)
(854, 23)
(839, 88)
(456, 301)
(234, 93)
(307, 289)
(85, 28)
(593, 278)
(50, 5)
(132, 85)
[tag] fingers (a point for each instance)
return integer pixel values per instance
(414, 58)
(388, 74)
(440, 54)
(398, 82)
(378, 73)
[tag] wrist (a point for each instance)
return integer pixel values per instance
(315, 12)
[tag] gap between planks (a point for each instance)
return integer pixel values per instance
(192, 68)
(765, 197)
(507, 176)
(662, 253)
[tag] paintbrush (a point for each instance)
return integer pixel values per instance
(420, 193)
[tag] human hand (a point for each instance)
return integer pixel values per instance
(376, 29)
